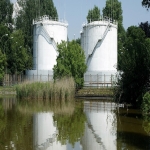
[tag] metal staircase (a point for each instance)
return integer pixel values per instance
(99, 40)
(50, 38)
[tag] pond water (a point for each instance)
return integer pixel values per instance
(83, 125)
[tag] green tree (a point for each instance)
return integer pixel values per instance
(93, 14)
(4, 35)
(2, 65)
(145, 26)
(6, 9)
(113, 10)
(146, 3)
(70, 62)
(78, 41)
(17, 54)
(135, 72)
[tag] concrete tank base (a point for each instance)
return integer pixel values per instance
(100, 78)
(39, 75)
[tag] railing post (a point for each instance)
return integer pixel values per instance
(111, 80)
(90, 80)
(104, 80)
(97, 81)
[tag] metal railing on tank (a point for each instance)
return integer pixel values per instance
(48, 18)
(104, 19)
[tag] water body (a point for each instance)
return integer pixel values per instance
(86, 125)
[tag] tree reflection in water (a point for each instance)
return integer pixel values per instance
(146, 123)
(15, 128)
(71, 127)
(17, 122)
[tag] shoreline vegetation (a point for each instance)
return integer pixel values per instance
(84, 92)
(60, 90)
(95, 92)
(63, 89)
(7, 90)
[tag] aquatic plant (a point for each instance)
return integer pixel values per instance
(59, 90)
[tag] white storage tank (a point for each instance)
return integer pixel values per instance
(99, 41)
(47, 33)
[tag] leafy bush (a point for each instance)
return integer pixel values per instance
(146, 103)
(70, 62)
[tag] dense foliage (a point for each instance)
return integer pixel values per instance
(113, 10)
(4, 36)
(145, 26)
(18, 56)
(93, 14)
(146, 3)
(70, 62)
(6, 9)
(135, 70)
(146, 103)
(2, 65)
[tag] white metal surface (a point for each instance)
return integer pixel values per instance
(47, 33)
(99, 41)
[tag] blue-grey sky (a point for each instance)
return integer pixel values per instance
(75, 12)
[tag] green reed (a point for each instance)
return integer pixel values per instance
(59, 90)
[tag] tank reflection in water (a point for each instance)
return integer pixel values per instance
(85, 125)
(100, 128)
(45, 132)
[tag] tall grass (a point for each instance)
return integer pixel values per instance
(59, 90)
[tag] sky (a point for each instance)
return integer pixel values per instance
(75, 12)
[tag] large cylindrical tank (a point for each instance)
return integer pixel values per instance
(99, 41)
(47, 34)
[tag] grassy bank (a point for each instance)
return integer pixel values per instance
(99, 92)
(61, 90)
(5, 90)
